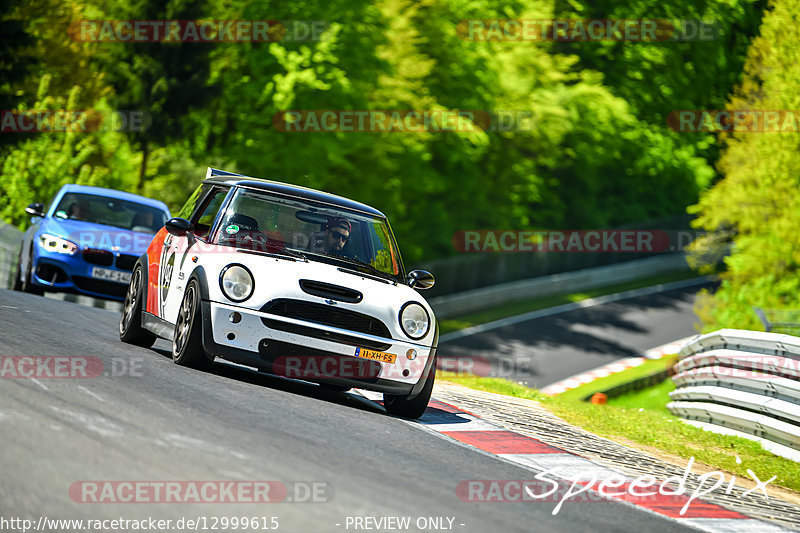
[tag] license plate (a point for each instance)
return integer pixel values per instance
(111, 275)
(383, 357)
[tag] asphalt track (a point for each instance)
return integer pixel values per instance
(545, 350)
(162, 422)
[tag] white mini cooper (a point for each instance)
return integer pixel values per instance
(292, 281)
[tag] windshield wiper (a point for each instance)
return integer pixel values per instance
(369, 268)
(293, 253)
(282, 252)
(364, 267)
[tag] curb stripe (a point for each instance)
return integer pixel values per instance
(533, 454)
(501, 442)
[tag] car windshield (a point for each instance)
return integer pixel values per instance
(110, 212)
(259, 221)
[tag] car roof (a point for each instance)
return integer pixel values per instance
(223, 177)
(113, 193)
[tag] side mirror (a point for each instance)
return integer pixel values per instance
(178, 226)
(36, 210)
(420, 279)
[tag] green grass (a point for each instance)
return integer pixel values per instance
(636, 418)
(517, 308)
(641, 418)
(651, 366)
(653, 398)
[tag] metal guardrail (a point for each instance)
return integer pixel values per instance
(747, 381)
(779, 320)
(564, 283)
(10, 239)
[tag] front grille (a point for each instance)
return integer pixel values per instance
(98, 257)
(325, 335)
(99, 286)
(333, 292)
(126, 262)
(327, 315)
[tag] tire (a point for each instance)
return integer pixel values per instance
(18, 276)
(399, 405)
(187, 344)
(25, 283)
(130, 320)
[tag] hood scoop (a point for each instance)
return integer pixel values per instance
(330, 291)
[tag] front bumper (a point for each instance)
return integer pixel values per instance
(298, 356)
(57, 272)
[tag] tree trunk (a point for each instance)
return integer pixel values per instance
(143, 167)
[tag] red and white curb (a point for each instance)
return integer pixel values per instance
(671, 348)
(534, 455)
(612, 368)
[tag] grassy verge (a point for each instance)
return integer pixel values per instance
(641, 418)
(651, 366)
(517, 308)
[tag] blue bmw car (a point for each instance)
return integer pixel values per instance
(87, 240)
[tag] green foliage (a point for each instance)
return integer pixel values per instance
(756, 205)
(592, 154)
(34, 169)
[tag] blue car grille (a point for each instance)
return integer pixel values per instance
(98, 257)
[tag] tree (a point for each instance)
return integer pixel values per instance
(756, 205)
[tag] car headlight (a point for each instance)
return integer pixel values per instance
(51, 243)
(414, 320)
(236, 282)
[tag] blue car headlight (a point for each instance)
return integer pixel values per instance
(51, 243)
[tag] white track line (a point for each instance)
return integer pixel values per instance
(589, 302)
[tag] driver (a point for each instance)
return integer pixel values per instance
(80, 210)
(336, 234)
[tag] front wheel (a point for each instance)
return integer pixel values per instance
(130, 321)
(26, 278)
(18, 276)
(400, 405)
(187, 343)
